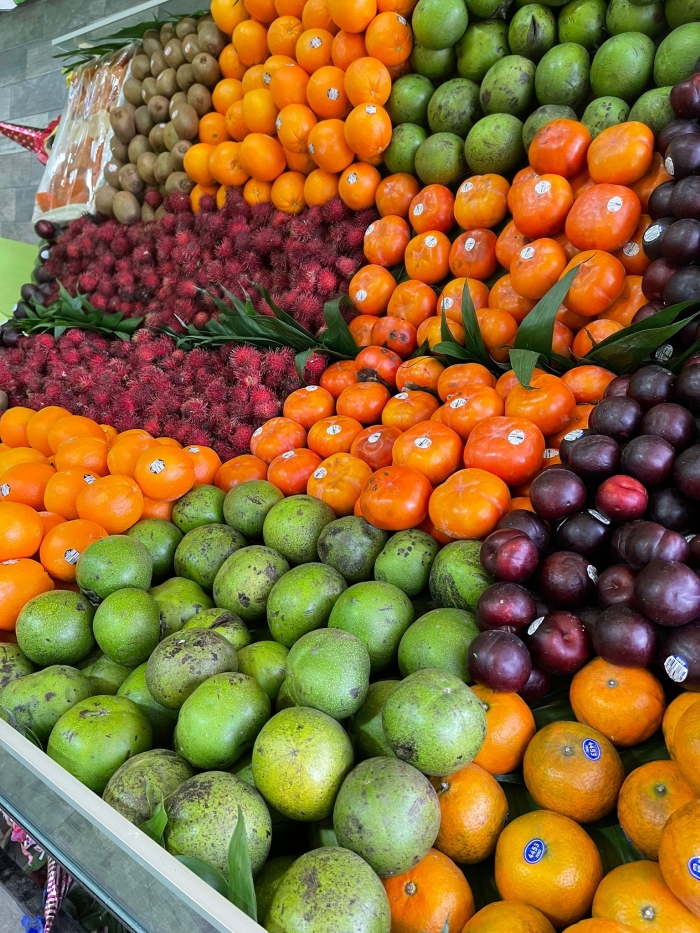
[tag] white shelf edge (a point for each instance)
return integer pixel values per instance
(107, 21)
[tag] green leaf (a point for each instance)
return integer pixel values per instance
(445, 333)
(624, 351)
(523, 363)
(451, 349)
(536, 331)
(300, 361)
(482, 882)
(155, 826)
(241, 890)
(556, 710)
(212, 876)
(654, 749)
(614, 847)
(337, 336)
(473, 341)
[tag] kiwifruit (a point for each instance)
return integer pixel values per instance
(138, 145)
(149, 89)
(174, 55)
(166, 82)
(206, 69)
(118, 149)
(200, 98)
(185, 120)
(163, 167)
(179, 181)
(178, 153)
(132, 91)
(211, 39)
(186, 25)
(179, 98)
(158, 62)
(185, 77)
(167, 31)
(143, 121)
(104, 200)
(145, 167)
(130, 180)
(127, 106)
(140, 66)
(151, 42)
(122, 122)
(111, 173)
(170, 137)
(148, 215)
(160, 212)
(191, 46)
(161, 191)
(155, 138)
(158, 108)
(126, 208)
(203, 20)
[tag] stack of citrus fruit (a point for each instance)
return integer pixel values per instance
(578, 203)
(299, 113)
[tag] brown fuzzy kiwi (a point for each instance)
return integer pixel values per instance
(151, 42)
(170, 137)
(158, 107)
(138, 145)
(163, 167)
(122, 122)
(190, 46)
(127, 106)
(178, 153)
(148, 215)
(174, 55)
(166, 82)
(186, 25)
(130, 180)
(132, 91)
(143, 121)
(126, 208)
(104, 200)
(155, 138)
(167, 31)
(161, 212)
(185, 120)
(179, 181)
(185, 77)
(111, 173)
(149, 89)
(158, 62)
(179, 98)
(200, 98)
(203, 20)
(118, 149)
(206, 69)
(140, 66)
(212, 39)
(145, 167)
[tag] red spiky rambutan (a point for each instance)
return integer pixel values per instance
(178, 203)
(265, 405)
(346, 266)
(327, 282)
(153, 198)
(240, 437)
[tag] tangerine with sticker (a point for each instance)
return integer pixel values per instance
(63, 488)
(114, 502)
(62, 546)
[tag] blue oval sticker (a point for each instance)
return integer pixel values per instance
(591, 749)
(534, 851)
(694, 867)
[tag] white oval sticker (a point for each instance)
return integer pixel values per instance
(614, 204)
(423, 442)
(550, 453)
(157, 466)
(516, 437)
(89, 479)
(630, 249)
(402, 20)
(402, 395)
(257, 432)
(664, 353)
(373, 438)
(190, 450)
(527, 252)
(352, 178)
(320, 473)
(431, 241)
(418, 210)
(447, 303)
(311, 148)
(676, 667)
(71, 556)
(287, 454)
(333, 93)
(533, 626)
(5, 490)
(311, 388)
(467, 186)
(278, 123)
(652, 233)
(668, 163)
(574, 435)
(316, 42)
(542, 187)
(360, 294)
(458, 402)
(369, 230)
(599, 516)
(333, 429)
(469, 244)
(592, 573)
(370, 109)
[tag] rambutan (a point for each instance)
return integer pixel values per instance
(153, 198)
(327, 282)
(120, 245)
(335, 211)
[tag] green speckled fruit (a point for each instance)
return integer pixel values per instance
(321, 833)
(293, 526)
(244, 582)
(161, 718)
(202, 505)
(178, 600)
(39, 700)
(329, 670)
(532, 31)
(456, 577)
(161, 538)
(223, 622)
(183, 661)
(434, 722)
(127, 626)
(247, 505)
(624, 16)
(302, 600)
(365, 727)
(582, 22)
(266, 662)
(267, 882)
(542, 116)
(159, 771)
(400, 154)
(409, 99)
(653, 109)
(440, 159)
(480, 47)
(604, 112)
(203, 550)
(562, 75)
(105, 675)
(300, 759)
(676, 55)
(438, 24)
(439, 639)
(680, 12)
(328, 890)
(112, 563)
(454, 107)
(351, 545)
(56, 628)
(13, 664)
(622, 66)
(495, 144)
(284, 699)
(202, 815)
(509, 86)
(387, 812)
(376, 613)
(94, 739)
(406, 559)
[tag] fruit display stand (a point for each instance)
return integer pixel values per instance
(143, 886)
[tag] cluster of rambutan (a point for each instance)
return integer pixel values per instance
(210, 397)
(159, 270)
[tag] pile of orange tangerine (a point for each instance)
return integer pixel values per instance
(298, 115)
(579, 203)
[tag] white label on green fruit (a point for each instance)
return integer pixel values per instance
(542, 187)
(287, 454)
(592, 573)
(402, 395)
(532, 628)
(157, 466)
(516, 437)
(458, 402)
(574, 435)
(71, 556)
(630, 249)
(333, 429)
(423, 442)
(333, 93)
(469, 244)
(668, 163)
(527, 252)
(614, 204)
(599, 516)
(320, 473)
(418, 210)
(676, 667)
(373, 438)
(89, 479)
(369, 229)
(360, 295)
(431, 241)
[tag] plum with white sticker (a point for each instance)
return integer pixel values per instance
(677, 668)
(533, 626)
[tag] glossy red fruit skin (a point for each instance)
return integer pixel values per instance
(500, 661)
(560, 644)
(505, 607)
(621, 498)
(509, 555)
(668, 593)
(537, 686)
(615, 586)
(623, 636)
(557, 493)
(566, 580)
(536, 528)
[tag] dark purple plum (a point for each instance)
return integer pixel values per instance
(535, 528)
(618, 417)
(660, 201)
(615, 586)
(648, 542)
(44, 229)
(686, 472)
(681, 241)
(589, 616)
(499, 661)
(621, 498)
(537, 686)
(623, 636)
(557, 493)
(618, 542)
(559, 644)
(619, 384)
(595, 457)
(568, 441)
(684, 285)
(680, 656)
(585, 533)
(649, 459)
(673, 510)
(667, 592)
(509, 555)
(683, 197)
(652, 385)
(687, 391)
(567, 579)
(646, 311)
(656, 277)
(653, 237)
(671, 421)
(682, 156)
(505, 606)
(685, 98)
(672, 131)
(28, 291)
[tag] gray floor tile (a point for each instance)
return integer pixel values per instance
(8, 199)
(13, 65)
(4, 103)
(10, 913)
(20, 170)
(47, 92)
(62, 16)
(40, 60)
(23, 233)
(27, 24)
(24, 204)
